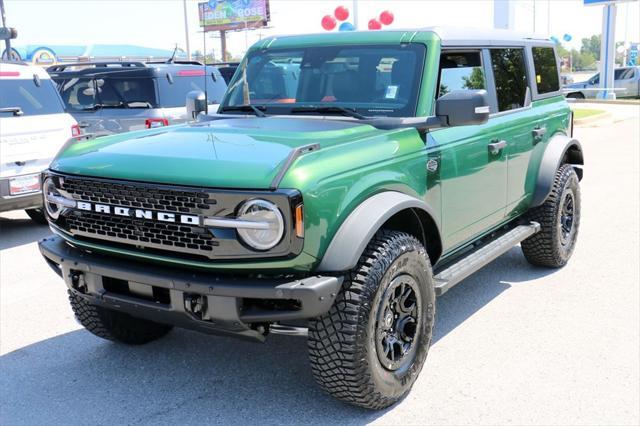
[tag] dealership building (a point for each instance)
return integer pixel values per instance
(45, 55)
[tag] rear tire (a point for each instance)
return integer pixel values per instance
(115, 326)
(575, 95)
(559, 219)
(37, 215)
(370, 347)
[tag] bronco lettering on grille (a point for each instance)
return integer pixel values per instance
(139, 213)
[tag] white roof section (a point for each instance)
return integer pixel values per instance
(20, 70)
(461, 36)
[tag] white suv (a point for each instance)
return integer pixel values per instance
(33, 127)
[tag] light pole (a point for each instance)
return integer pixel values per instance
(186, 29)
(355, 14)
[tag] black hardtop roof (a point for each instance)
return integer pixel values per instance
(132, 69)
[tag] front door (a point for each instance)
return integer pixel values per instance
(473, 158)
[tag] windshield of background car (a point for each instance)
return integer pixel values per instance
(29, 97)
(88, 93)
(372, 80)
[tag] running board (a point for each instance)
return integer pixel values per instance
(479, 258)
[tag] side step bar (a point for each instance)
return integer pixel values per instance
(479, 258)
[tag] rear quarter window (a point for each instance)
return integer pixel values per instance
(31, 98)
(546, 68)
(173, 93)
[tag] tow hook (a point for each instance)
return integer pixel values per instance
(197, 305)
(77, 282)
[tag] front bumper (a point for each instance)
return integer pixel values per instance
(17, 202)
(201, 301)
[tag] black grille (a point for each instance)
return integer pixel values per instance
(166, 238)
(152, 233)
(144, 197)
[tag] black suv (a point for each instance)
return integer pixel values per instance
(115, 97)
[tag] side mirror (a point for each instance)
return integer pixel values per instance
(196, 103)
(463, 107)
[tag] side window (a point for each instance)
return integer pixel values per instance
(546, 67)
(595, 79)
(78, 94)
(624, 74)
(460, 71)
(510, 76)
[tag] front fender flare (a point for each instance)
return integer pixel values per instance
(351, 239)
(561, 148)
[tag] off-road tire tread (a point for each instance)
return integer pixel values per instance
(542, 248)
(113, 325)
(333, 348)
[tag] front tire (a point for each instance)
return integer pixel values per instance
(114, 325)
(559, 219)
(370, 347)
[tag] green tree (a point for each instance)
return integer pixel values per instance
(475, 80)
(591, 45)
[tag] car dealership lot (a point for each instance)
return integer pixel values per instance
(514, 343)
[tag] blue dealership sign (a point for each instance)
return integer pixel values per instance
(602, 2)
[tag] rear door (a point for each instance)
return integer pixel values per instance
(626, 82)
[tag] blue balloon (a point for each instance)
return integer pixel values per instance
(213, 3)
(554, 39)
(566, 37)
(346, 26)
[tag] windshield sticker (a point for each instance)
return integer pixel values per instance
(392, 92)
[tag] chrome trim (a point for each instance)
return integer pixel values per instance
(216, 222)
(60, 200)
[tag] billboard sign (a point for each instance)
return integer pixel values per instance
(223, 15)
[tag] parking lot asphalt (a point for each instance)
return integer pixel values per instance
(514, 344)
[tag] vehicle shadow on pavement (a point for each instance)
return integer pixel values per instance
(190, 378)
(17, 232)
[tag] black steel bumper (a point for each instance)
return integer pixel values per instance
(196, 300)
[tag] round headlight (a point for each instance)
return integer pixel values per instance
(264, 226)
(49, 190)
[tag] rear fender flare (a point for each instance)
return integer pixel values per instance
(560, 149)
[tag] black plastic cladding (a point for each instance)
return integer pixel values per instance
(170, 239)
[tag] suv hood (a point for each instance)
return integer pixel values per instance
(242, 153)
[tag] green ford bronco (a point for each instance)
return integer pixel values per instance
(346, 181)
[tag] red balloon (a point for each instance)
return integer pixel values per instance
(374, 24)
(386, 17)
(328, 22)
(341, 13)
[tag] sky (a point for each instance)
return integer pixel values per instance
(160, 23)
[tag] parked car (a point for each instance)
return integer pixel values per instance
(347, 180)
(116, 97)
(33, 127)
(626, 84)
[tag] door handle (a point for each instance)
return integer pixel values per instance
(496, 146)
(539, 132)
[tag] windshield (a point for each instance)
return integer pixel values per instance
(29, 97)
(370, 80)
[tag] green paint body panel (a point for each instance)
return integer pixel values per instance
(471, 192)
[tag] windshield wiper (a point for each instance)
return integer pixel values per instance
(348, 112)
(258, 110)
(16, 111)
